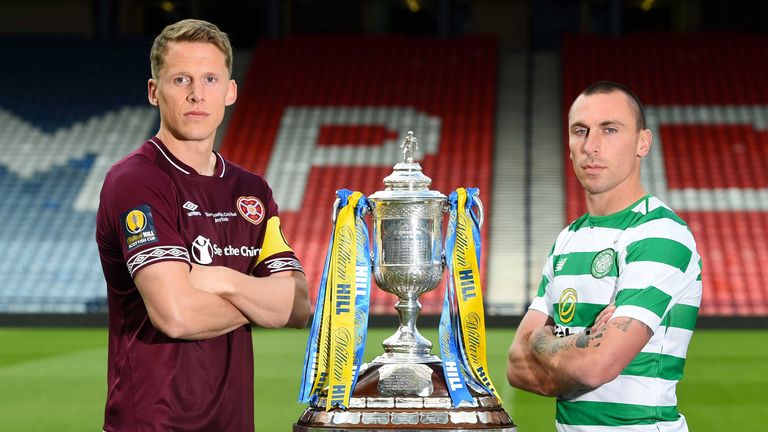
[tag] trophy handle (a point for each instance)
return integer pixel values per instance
(481, 219)
(481, 213)
(335, 209)
(480, 210)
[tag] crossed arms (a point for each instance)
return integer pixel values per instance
(210, 301)
(542, 363)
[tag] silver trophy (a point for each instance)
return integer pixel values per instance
(407, 251)
(404, 388)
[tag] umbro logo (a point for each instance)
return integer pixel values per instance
(280, 264)
(192, 207)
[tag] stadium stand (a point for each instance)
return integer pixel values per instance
(69, 109)
(340, 125)
(707, 102)
(79, 106)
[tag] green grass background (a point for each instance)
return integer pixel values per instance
(55, 379)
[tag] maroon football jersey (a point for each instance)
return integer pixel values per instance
(155, 208)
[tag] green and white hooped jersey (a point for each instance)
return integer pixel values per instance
(643, 259)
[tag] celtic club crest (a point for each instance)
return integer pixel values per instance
(251, 209)
(603, 263)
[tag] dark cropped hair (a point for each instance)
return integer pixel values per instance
(605, 87)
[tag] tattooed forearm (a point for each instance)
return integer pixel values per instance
(623, 325)
(548, 345)
(538, 344)
(597, 336)
(545, 345)
(587, 339)
(582, 340)
(557, 344)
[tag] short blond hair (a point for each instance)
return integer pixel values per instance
(189, 30)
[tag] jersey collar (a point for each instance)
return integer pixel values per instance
(621, 217)
(218, 170)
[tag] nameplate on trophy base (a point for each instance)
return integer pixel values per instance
(405, 379)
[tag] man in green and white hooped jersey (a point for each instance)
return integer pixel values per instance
(610, 325)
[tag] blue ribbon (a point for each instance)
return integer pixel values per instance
(362, 285)
(311, 353)
(313, 342)
(454, 361)
(472, 194)
(362, 301)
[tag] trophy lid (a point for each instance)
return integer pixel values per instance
(407, 180)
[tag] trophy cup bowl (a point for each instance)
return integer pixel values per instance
(407, 262)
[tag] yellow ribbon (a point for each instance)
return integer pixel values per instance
(324, 348)
(466, 274)
(342, 306)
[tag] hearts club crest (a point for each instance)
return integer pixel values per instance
(251, 209)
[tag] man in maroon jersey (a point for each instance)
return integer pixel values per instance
(192, 254)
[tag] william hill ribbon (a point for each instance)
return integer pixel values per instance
(362, 285)
(314, 374)
(337, 337)
(464, 257)
(454, 368)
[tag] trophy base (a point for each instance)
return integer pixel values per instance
(406, 397)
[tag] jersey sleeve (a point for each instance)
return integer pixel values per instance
(661, 266)
(139, 207)
(543, 300)
(275, 255)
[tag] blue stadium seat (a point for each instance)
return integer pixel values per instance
(82, 108)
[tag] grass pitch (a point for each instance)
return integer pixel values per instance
(55, 379)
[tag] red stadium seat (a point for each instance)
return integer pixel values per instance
(452, 80)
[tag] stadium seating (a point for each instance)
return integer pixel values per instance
(321, 113)
(69, 109)
(707, 103)
(86, 108)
